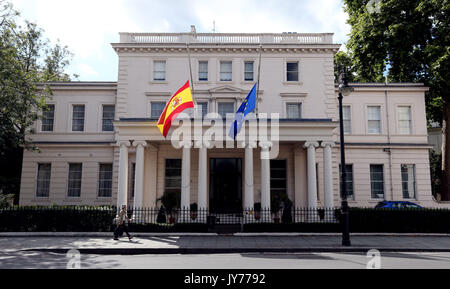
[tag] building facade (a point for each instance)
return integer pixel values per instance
(99, 144)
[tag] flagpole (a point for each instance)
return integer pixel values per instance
(190, 68)
(259, 73)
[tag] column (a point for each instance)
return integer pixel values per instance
(186, 180)
(327, 175)
(249, 183)
(139, 180)
(265, 180)
(202, 181)
(123, 174)
(311, 163)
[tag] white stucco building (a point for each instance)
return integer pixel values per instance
(99, 143)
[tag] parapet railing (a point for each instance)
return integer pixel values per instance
(228, 38)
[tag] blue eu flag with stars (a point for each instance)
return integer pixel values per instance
(247, 106)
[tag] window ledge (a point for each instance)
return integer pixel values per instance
(293, 82)
(158, 82)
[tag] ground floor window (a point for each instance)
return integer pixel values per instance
(74, 180)
(348, 180)
(377, 181)
(278, 179)
(132, 179)
(105, 180)
(173, 175)
(408, 181)
(43, 180)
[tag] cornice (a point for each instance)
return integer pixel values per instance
(146, 48)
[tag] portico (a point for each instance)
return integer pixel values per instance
(197, 184)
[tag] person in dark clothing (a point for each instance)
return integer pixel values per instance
(122, 219)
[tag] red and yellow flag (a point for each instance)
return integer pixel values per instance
(181, 100)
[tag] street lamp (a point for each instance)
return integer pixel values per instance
(344, 90)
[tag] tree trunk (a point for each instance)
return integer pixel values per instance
(445, 194)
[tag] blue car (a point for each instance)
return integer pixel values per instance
(397, 205)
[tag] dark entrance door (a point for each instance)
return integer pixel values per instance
(225, 191)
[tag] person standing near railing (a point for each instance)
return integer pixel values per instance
(122, 219)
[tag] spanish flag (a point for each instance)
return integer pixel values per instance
(181, 100)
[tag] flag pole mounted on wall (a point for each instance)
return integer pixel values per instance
(190, 69)
(259, 73)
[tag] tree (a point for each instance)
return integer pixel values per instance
(27, 62)
(409, 41)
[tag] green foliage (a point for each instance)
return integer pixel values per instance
(27, 62)
(170, 200)
(343, 61)
(6, 200)
(407, 39)
(436, 173)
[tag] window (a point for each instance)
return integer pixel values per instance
(374, 119)
(132, 179)
(173, 175)
(408, 181)
(248, 70)
(278, 179)
(346, 117)
(159, 70)
(157, 108)
(105, 180)
(74, 180)
(48, 118)
(43, 180)
(225, 107)
(377, 181)
(226, 69)
(293, 110)
(202, 109)
(203, 70)
(292, 71)
(404, 119)
(78, 117)
(108, 118)
(348, 180)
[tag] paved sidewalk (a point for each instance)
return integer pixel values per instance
(211, 243)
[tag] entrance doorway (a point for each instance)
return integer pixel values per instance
(225, 185)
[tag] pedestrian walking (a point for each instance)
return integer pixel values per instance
(122, 220)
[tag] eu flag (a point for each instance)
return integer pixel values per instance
(247, 106)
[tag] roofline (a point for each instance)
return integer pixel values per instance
(386, 86)
(80, 85)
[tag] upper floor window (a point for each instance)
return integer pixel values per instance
(248, 70)
(78, 117)
(108, 118)
(203, 70)
(159, 70)
(226, 68)
(292, 71)
(105, 180)
(293, 110)
(377, 181)
(74, 180)
(202, 109)
(346, 117)
(48, 118)
(408, 181)
(43, 180)
(374, 119)
(157, 108)
(224, 108)
(404, 119)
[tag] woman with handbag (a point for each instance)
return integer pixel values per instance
(122, 218)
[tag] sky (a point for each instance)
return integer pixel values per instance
(88, 27)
